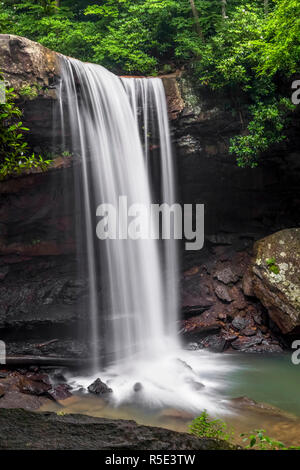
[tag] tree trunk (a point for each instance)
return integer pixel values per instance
(196, 18)
(224, 2)
(266, 6)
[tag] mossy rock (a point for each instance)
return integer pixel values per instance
(274, 277)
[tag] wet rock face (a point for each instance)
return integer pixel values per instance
(42, 298)
(22, 430)
(175, 101)
(217, 313)
(273, 277)
(241, 204)
(2, 391)
(41, 306)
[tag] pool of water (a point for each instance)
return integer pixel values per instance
(270, 379)
(164, 401)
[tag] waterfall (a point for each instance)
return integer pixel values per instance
(148, 95)
(118, 133)
(109, 120)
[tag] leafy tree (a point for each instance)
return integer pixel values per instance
(196, 17)
(37, 7)
(280, 50)
(265, 129)
(232, 59)
(243, 48)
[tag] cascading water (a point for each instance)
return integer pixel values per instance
(105, 133)
(148, 95)
(119, 129)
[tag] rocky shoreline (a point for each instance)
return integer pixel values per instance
(22, 430)
(33, 399)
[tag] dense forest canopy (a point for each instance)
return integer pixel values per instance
(235, 45)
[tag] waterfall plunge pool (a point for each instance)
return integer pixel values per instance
(170, 397)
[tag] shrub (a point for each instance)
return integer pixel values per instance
(204, 426)
(15, 155)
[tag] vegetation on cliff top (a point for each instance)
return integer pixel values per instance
(245, 48)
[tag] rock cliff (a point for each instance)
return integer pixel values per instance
(41, 296)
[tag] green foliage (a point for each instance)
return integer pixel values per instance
(204, 426)
(131, 57)
(15, 156)
(280, 51)
(265, 129)
(260, 441)
(242, 54)
(37, 8)
(272, 266)
(231, 60)
(28, 91)
(66, 154)
(138, 35)
(227, 58)
(127, 36)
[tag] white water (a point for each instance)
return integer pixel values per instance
(110, 121)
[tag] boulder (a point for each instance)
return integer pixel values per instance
(99, 388)
(273, 278)
(60, 392)
(215, 343)
(244, 343)
(222, 293)
(22, 430)
(33, 387)
(137, 387)
(196, 329)
(197, 290)
(242, 321)
(25, 63)
(30, 390)
(226, 275)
